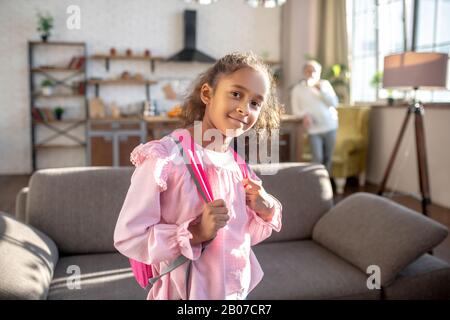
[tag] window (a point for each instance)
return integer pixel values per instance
(381, 27)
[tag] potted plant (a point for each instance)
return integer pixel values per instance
(390, 99)
(339, 77)
(58, 112)
(47, 86)
(45, 25)
(376, 82)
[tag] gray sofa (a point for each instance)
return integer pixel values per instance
(60, 243)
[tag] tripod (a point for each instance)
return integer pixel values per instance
(415, 107)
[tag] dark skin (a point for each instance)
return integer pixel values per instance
(232, 109)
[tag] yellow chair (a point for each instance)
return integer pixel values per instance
(350, 153)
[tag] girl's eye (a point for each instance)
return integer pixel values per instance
(236, 94)
(256, 104)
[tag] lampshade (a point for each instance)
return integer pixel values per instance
(427, 70)
(200, 1)
(265, 3)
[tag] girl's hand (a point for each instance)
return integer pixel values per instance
(258, 199)
(214, 216)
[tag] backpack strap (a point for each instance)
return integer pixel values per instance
(193, 164)
(175, 264)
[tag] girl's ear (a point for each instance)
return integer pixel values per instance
(206, 93)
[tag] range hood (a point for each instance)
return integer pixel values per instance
(190, 52)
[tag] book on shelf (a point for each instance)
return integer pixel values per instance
(72, 63)
(49, 114)
(36, 114)
(42, 114)
(76, 63)
(80, 63)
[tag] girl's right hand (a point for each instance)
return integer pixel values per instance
(214, 216)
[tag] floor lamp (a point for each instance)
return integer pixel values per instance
(413, 71)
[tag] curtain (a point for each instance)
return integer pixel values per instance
(332, 41)
(312, 28)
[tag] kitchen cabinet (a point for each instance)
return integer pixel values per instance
(112, 140)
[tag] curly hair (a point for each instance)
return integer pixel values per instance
(193, 108)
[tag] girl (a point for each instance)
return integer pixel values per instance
(163, 215)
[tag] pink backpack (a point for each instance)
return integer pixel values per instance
(143, 272)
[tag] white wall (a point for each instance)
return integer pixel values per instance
(385, 125)
(299, 38)
(223, 27)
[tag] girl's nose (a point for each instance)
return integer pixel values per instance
(243, 109)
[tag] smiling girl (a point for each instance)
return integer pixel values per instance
(163, 215)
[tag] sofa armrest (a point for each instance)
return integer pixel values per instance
(21, 204)
(28, 259)
(368, 230)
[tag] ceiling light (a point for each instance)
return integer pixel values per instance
(265, 3)
(200, 1)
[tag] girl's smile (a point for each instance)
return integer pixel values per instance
(240, 122)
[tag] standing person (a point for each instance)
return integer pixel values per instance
(163, 215)
(315, 100)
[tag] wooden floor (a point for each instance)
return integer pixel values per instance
(11, 184)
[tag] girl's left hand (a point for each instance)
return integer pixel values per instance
(258, 199)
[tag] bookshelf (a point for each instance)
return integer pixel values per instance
(69, 83)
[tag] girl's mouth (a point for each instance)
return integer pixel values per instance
(237, 120)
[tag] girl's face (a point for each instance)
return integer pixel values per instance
(234, 106)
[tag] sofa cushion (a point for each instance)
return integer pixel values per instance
(27, 260)
(366, 230)
(78, 207)
(102, 276)
(306, 270)
(427, 278)
(305, 193)
(348, 142)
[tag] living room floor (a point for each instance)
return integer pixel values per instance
(10, 185)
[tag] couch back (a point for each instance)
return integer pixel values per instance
(305, 193)
(354, 120)
(78, 207)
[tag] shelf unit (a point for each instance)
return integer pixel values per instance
(146, 83)
(110, 141)
(151, 59)
(108, 58)
(35, 95)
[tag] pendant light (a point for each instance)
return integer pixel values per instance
(204, 2)
(265, 3)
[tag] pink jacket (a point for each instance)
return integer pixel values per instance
(161, 202)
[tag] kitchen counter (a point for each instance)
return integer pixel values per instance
(291, 126)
